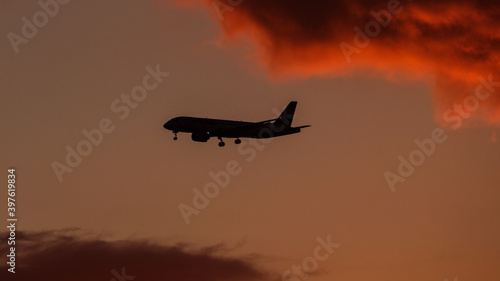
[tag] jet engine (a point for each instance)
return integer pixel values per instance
(200, 137)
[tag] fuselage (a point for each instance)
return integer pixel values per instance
(227, 128)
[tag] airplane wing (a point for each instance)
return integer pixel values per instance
(264, 122)
(240, 130)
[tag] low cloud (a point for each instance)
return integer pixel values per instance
(72, 254)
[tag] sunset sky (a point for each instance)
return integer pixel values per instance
(385, 84)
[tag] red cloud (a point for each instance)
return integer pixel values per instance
(450, 43)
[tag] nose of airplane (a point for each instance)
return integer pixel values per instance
(168, 125)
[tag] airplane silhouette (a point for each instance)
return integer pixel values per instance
(202, 129)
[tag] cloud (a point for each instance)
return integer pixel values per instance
(71, 254)
(449, 43)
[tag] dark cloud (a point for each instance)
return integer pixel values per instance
(74, 255)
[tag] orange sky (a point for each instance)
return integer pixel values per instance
(119, 207)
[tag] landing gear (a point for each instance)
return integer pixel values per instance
(237, 141)
(221, 143)
(175, 135)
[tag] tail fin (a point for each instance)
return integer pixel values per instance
(286, 116)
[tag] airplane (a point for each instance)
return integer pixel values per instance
(202, 129)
